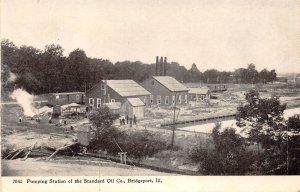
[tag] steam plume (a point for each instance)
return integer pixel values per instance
(25, 100)
(12, 77)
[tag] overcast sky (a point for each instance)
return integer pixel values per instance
(225, 34)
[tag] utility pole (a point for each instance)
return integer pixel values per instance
(173, 134)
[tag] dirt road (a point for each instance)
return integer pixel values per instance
(41, 168)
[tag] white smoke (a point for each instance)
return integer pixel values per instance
(12, 77)
(25, 100)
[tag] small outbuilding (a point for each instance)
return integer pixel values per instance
(134, 107)
(201, 94)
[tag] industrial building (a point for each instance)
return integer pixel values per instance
(165, 90)
(109, 91)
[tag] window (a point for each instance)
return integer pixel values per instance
(158, 99)
(77, 97)
(91, 101)
(57, 97)
(167, 100)
(98, 102)
(202, 97)
(103, 88)
(179, 99)
(112, 100)
(186, 98)
(151, 99)
(173, 99)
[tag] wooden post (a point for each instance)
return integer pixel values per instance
(121, 157)
(124, 157)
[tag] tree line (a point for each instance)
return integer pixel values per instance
(48, 70)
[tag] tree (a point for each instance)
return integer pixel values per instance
(51, 65)
(293, 142)
(8, 62)
(262, 119)
(229, 156)
(264, 76)
(76, 70)
(106, 135)
(194, 75)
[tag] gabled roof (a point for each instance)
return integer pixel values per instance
(199, 91)
(126, 88)
(170, 83)
(136, 102)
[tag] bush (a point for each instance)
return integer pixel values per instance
(229, 156)
(142, 144)
(138, 144)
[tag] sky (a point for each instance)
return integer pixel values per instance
(220, 34)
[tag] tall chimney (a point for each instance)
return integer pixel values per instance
(157, 66)
(161, 66)
(165, 67)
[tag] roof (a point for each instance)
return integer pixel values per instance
(113, 105)
(135, 102)
(199, 91)
(126, 88)
(170, 83)
(72, 105)
(67, 93)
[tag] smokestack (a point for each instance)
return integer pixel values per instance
(157, 66)
(165, 67)
(161, 66)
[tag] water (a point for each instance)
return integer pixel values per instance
(207, 128)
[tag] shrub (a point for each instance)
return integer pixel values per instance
(229, 156)
(141, 144)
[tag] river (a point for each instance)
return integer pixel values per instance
(207, 128)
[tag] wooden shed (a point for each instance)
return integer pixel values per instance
(201, 94)
(134, 107)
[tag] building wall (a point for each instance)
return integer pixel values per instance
(217, 87)
(64, 99)
(138, 111)
(97, 93)
(198, 97)
(156, 89)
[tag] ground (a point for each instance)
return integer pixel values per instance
(32, 167)
(41, 134)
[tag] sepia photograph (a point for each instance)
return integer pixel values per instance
(143, 88)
